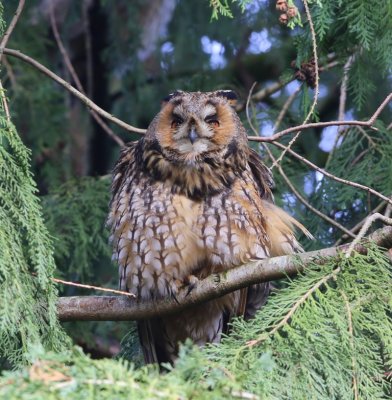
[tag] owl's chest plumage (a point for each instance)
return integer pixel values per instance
(161, 238)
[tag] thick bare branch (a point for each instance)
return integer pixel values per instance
(108, 308)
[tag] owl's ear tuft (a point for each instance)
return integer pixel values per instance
(230, 95)
(171, 96)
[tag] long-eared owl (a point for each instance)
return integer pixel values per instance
(191, 198)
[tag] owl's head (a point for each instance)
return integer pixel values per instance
(194, 126)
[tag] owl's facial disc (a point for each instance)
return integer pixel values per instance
(193, 132)
(193, 127)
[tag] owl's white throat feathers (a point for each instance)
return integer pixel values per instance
(192, 150)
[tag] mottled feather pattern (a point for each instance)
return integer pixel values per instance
(191, 199)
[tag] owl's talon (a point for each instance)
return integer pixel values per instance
(191, 282)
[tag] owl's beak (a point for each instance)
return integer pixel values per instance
(193, 135)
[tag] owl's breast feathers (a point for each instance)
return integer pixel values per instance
(170, 221)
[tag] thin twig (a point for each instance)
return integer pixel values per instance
(102, 289)
(286, 107)
(343, 90)
(388, 211)
(357, 227)
(10, 72)
(310, 207)
(369, 221)
(76, 79)
(247, 109)
(351, 335)
(11, 27)
(287, 180)
(335, 178)
(369, 123)
(342, 108)
(75, 92)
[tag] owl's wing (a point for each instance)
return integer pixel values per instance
(261, 175)
(280, 226)
(280, 231)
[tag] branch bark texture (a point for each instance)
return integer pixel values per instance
(113, 308)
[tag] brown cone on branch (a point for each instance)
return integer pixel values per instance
(283, 19)
(306, 72)
(281, 5)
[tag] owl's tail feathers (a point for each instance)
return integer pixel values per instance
(156, 346)
(147, 341)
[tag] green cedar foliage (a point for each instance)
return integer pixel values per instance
(317, 335)
(75, 215)
(27, 295)
(334, 329)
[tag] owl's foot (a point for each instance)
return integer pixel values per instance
(191, 282)
(187, 284)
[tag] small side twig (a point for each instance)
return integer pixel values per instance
(342, 107)
(91, 287)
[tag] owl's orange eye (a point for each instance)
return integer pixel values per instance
(212, 121)
(176, 122)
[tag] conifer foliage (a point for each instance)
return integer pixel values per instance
(325, 334)
(27, 295)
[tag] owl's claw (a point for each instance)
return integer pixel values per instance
(191, 281)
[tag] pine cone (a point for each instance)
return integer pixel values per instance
(281, 5)
(283, 19)
(306, 73)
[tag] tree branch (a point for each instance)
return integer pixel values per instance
(369, 123)
(66, 85)
(335, 178)
(110, 308)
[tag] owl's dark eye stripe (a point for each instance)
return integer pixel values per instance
(212, 120)
(212, 117)
(176, 121)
